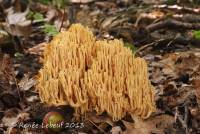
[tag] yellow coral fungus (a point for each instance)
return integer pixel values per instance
(95, 75)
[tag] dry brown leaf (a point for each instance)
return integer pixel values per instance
(51, 14)
(99, 119)
(187, 62)
(11, 118)
(27, 83)
(153, 15)
(6, 71)
(157, 76)
(197, 88)
(152, 125)
(38, 49)
(106, 4)
(168, 64)
(12, 121)
(18, 25)
(107, 22)
(116, 130)
(170, 88)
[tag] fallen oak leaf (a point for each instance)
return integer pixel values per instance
(152, 125)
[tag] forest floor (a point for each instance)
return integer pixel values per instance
(166, 34)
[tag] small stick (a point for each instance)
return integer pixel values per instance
(13, 76)
(63, 19)
(178, 8)
(170, 23)
(97, 126)
(148, 45)
(184, 121)
(72, 14)
(186, 117)
(178, 117)
(18, 90)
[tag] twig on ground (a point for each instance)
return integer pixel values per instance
(97, 126)
(18, 90)
(177, 116)
(168, 44)
(72, 14)
(191, 18)
(186, 118)
(178, 8)
(148, 45)
(9, 73)
(170, 23)
(63, 19)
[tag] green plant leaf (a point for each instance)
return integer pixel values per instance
(30, 15)
(196, 34)
(18, 55)
(50, 30)
(131, 46)
(34, 15)
(38, 16)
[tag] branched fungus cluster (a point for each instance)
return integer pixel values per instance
(91, 75)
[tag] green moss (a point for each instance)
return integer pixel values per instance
(131, 46)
